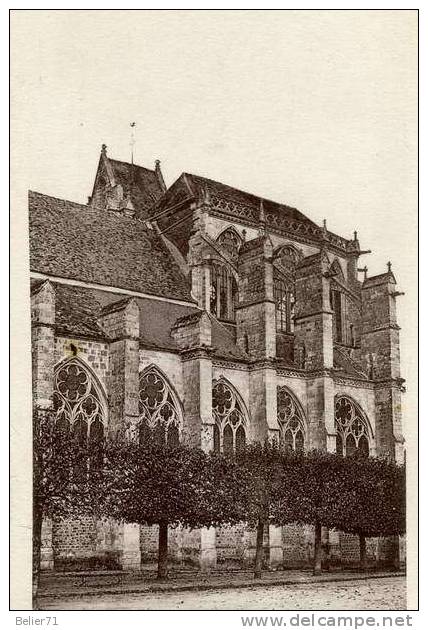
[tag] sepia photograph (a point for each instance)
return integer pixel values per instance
(214, 224)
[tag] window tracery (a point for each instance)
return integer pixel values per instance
(78, 402)
(288, 257)
(291, 421)
(159, 415)
(224, 292)
(231, 242)
(284, 304)
(229, 427)
(352, 431)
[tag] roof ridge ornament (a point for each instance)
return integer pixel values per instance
(159, 175)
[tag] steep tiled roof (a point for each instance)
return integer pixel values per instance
(344, 363)
(74, 241)
(379, 279)
(189, 184)
(78, 310)
(141, 183)
(240, 197)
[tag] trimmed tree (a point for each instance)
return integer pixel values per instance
(374, 500)
(314, 486)
(169, 486)
(263, 486)
(62, 487)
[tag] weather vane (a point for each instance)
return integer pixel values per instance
(132, 142)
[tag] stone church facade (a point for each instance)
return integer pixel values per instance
(217, 318)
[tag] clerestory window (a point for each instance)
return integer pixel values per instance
(224, 292)
(284, 305)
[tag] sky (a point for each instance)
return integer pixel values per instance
(315, 109)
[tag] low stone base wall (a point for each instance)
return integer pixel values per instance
(89, 544)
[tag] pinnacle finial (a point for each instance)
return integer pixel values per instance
(355, 235)
(389, 265)
(324, 224)
(104, 149)
(365, 270)
(262, 212)
(157, 163)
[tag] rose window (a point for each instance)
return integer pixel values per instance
(352, 432)
(290, 419)
(229, 427)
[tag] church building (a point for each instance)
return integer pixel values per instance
(217, 318)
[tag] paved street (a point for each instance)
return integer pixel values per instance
(371, 594)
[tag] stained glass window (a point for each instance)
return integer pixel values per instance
(352, 430)
(159, 416)
(284, 304)
(291, 421)
(224, 292)
(229, 428)
(78, 401)
(230, 241)
(287, 257)
(336, 305)
(80, 410)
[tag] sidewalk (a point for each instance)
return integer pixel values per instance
(60, 585)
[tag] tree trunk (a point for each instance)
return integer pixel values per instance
(37, 548)
(317, 549)
(163, 551)
(363, 552)
(258, 562)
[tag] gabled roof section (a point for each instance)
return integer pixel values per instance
(74, 241)
(205, 186)
(179, 192)
(248, 208)
(141, 183)
(126, 187)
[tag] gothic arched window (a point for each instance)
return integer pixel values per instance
(337, 301)
(352, 430)
(78, 400)
(224, 292)
(229, 427)
(284, 304)
(288, 258)
(158, 408)
(79, 404)
(290, 420)
(230, 241)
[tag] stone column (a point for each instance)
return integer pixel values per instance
(43, 345)
(131, 555)
(121, 323)
(193, 335)
(276, 554)
(43, 362)
(380, 352)
(46, 554)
